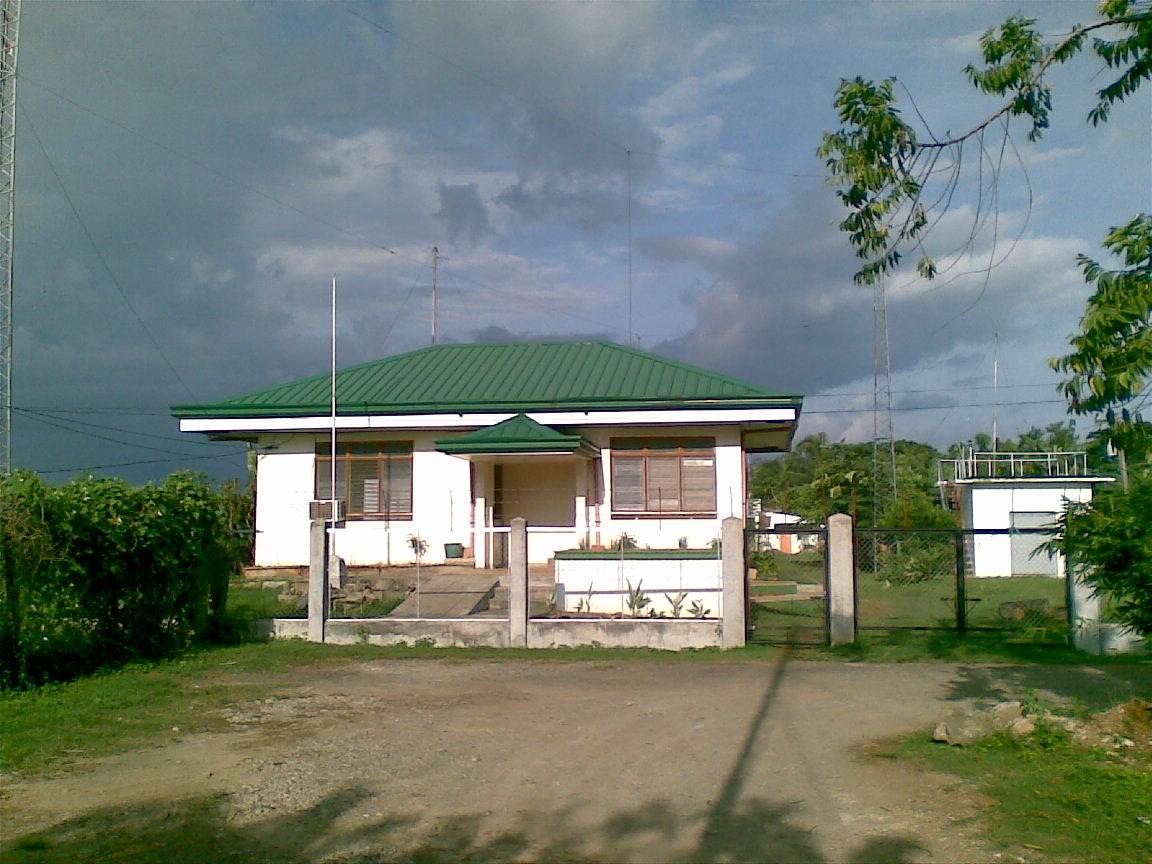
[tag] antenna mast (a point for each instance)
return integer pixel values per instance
(9, 29)
(435, 263)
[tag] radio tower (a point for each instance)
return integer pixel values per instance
(883, 445)
(9, 29)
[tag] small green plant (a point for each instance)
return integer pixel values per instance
(764, 563)
(584, 604)
(676, 602)
(637, 600)
(624, 541)
(362, 635)
(697, 610)
(418, 545)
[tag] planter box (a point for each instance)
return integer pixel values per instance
(600, 581)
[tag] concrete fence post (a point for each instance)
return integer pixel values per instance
(734, 576)
(1083, 610)
(518, 584)
(841, 564)
(317, 580)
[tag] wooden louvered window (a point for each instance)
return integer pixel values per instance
(664, 476)
(374, 479)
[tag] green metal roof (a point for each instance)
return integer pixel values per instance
(517, 377)
(519, 434)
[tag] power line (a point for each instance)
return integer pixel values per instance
(99, 437)
(136, 462)
(121, 429)
(248, 187)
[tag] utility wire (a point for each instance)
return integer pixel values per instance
(120, 441)
(100, 255)
(121, 429)
(307, 214)
(248, 187)
(135, 462)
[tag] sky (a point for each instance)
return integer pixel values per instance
(191, 175)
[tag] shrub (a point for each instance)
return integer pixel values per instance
(1111, 541)
(98, 572)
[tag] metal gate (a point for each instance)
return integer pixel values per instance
(787, 585)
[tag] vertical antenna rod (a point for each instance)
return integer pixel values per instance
(996, 392)
(435, 262)
(9, 29)
(629, 172)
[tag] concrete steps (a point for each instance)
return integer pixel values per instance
(449, 595)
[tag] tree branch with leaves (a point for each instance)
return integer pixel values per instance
(897, 183)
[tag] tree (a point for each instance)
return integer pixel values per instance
(897, 183)
(1111, 361)
(819, 477)
(1112, 540)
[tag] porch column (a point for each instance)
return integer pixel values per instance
(581, 504)
(481, 539)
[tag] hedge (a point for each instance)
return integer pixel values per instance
(98, 573)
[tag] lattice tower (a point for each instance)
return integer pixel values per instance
(9, 30)
(883, 445)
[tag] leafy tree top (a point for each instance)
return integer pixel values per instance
(896, 184)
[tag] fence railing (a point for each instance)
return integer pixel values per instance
(991, 465)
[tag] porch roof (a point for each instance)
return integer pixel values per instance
(517, 435)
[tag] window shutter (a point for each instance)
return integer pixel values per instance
(398, 484)
(663, 484)
(699, 475)
(365, 485)
(628, 483)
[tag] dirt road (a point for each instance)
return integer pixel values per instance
(438, 760)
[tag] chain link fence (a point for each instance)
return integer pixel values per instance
(1001, 580)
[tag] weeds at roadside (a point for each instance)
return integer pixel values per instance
(1049, 795)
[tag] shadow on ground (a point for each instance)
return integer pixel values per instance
(344, 827)
(1093, 687)
(195, 830)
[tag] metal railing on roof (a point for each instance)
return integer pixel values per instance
(977, 465)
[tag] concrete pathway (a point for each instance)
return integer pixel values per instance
(449, 595)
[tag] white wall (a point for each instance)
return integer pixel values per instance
(660, 533)
(604, 584)
(991, 506)
(441, 504)
(442, 500)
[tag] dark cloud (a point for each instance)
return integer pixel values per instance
(783, 310)
(462, 211)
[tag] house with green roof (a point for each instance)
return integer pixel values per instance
(587, 441)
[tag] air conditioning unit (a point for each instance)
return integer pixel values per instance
(323, 510)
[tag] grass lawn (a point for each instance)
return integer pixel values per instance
(1052, 802)
(1022, 603)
